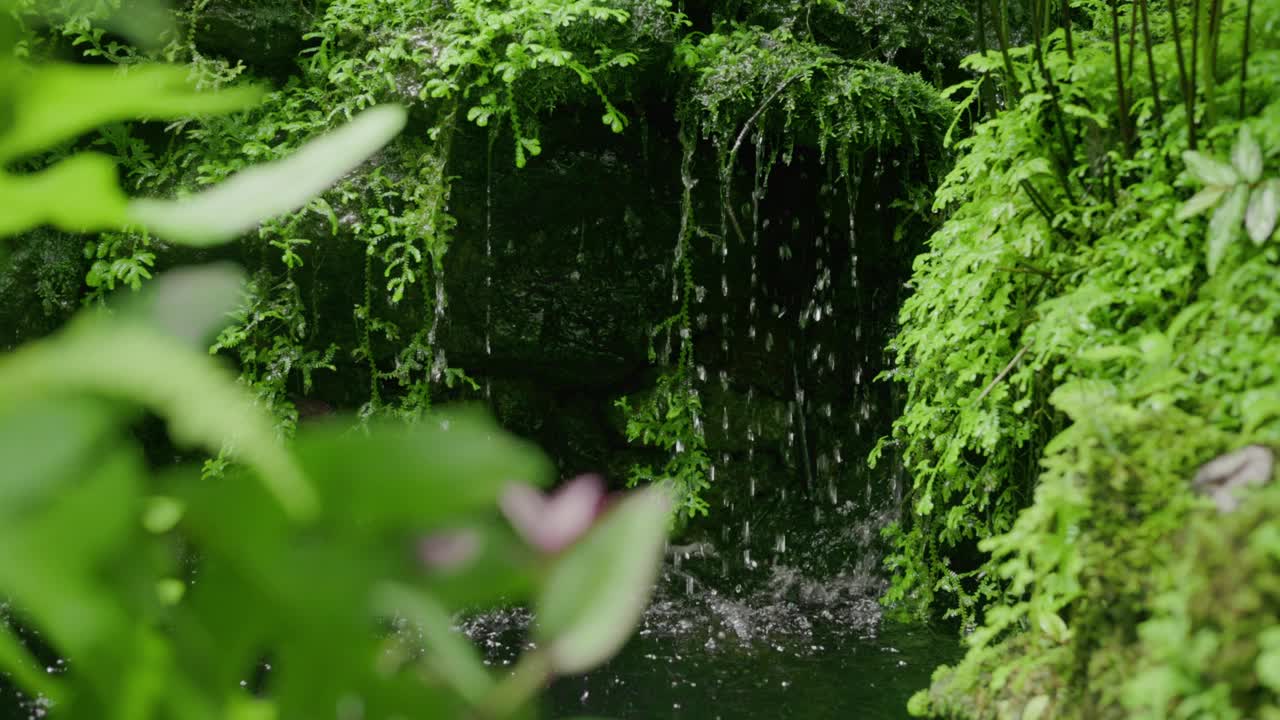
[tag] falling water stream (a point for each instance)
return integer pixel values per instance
(770, 608)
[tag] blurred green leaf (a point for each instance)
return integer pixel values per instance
(78, 194)
(51, 559)
(418, 476)
(44, 446)
(1201, 201)
(1246, 156)
(452, 655)
(1268, 664)
(237, 205)
(1225, 225)
(190, 303)
(58, 102)
(129, 360)
(597, 590)
(1264, 206)
(1209, 171)
(1035, 708)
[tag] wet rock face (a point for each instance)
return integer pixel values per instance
(557, 270)
(265, 34)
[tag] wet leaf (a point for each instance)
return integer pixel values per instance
(598, 589)
(1225, 225)
(1201, 201)
(1264, 206)
(1246, 156)
(1209, 171)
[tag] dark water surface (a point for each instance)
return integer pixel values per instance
(826, 674)
(718, 659)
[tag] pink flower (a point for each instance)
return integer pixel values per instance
(552, 523)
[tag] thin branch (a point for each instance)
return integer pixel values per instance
(1066, 25)
(1188, 91)
(1122, 95)
(1002, 34)
(1003, 374)
(1151, 63)
(1244, 53)
(727, 172)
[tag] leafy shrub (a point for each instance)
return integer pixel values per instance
(1077, 345)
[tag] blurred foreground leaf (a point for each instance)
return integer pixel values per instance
(59, 102)
(127, 359)
(598, 589)
(263, 191)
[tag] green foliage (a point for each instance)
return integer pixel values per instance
(1238, 191)
(670, 418)
(1210, 647)
(780, 87)
(164, 607)
(500, 64)
(1077, 345)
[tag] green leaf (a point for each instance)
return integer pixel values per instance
(1264, 205)
(1209, 171)
(26, 671)
(78, 194)
(1268, 668)
(67, 434)
(265, 191)
(1080, 398)
(1201, 201)
(249, 708)
(161, 513)
(598, 589)
(58, 102)
(1225, 225)
(125, 358)
(1246, 156)
(451, 654)
(416, 476)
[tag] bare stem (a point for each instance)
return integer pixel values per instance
(1003, 374)
(1122, 95)
(1244, 53)
(1184, 81)
(1151, 63)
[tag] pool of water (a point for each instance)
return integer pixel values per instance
(792, 648)
(825, 674)
(769, 655)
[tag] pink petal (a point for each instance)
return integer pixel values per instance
(524, 507)
(448, 549)
(553, 524)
